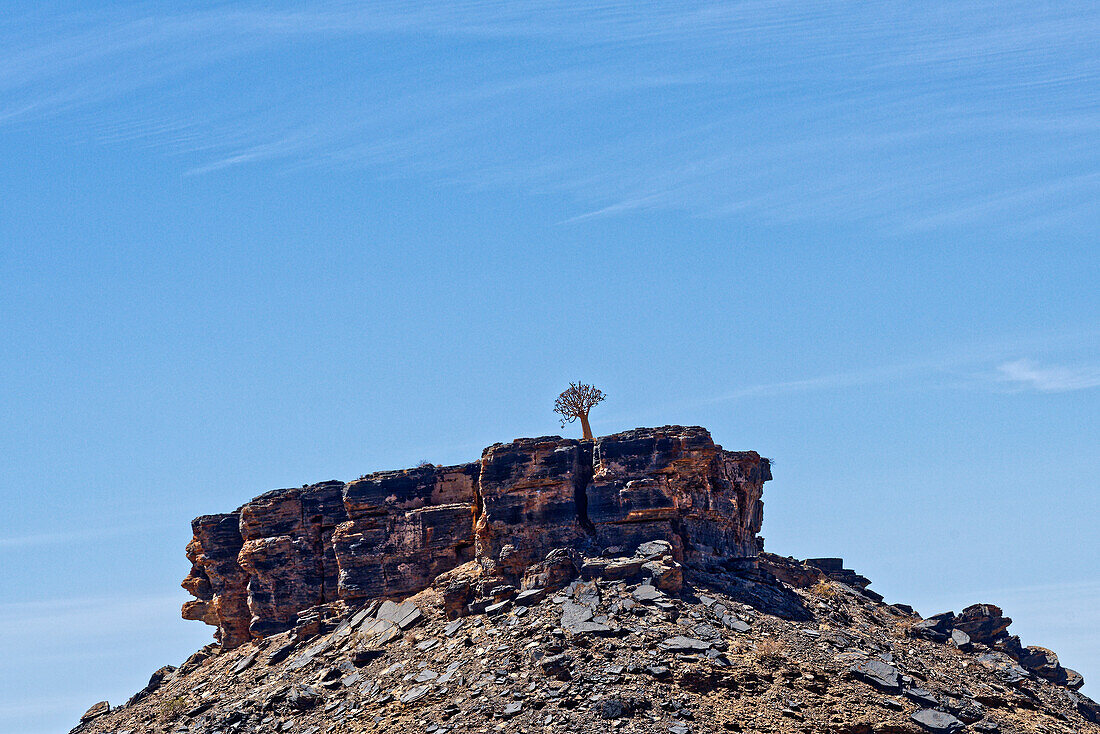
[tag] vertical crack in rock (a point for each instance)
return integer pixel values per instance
(323, 511)
(528, 491)
(580, 488)
(276, 554)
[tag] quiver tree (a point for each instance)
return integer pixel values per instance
(575, 403)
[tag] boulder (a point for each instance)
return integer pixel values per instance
(878, 673)
(961, 640)
(551, 573)
(984, 623)
(1074, 680)
(680, 643)
(612, 569)
(665, 575)
(556, 666)
(937, 721)
(404, 615)
(647, 594)
(96, 710)
(1043, 663)
(156, 680)
(654, 549)
(529, 597)
(937, 628)
(458, 588)
(1004, 666)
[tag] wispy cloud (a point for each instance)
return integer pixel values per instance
(976, 367)
(1027, 374)
(95, 641)
(86, 615)
(781, 111)
(84, 535)
(958, 367)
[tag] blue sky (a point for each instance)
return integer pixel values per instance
(250, 246)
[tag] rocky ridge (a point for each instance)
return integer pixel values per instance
(391, 534)
(558, 585)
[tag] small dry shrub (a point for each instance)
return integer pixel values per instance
(824, 588)
(173, 707)
(769, 649)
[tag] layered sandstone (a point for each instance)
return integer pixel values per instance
(530, 500)
(391, 534)
(404, 528)
(217, 579)
(678, 486)
(288, 553)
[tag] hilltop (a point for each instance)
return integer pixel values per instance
(564, 585)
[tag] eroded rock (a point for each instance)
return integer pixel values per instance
(525, 513)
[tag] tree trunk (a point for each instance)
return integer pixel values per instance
(587, 429)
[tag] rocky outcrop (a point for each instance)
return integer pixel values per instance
(806, 573)
(287, 537)
(391, 534)
(984, 623)
(563, 585)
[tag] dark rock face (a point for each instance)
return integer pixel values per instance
(404, 529)
(97, 710)
(529, 490)
(288, 553)
(937, 628)
(1088, 708)
(158, 678)
(519, 512)
(877, 673)
(937, 721)
(284, 553)
(1043, 663)
(677, 486)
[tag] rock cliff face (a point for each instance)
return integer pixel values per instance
(391, 534)
(679, 487)
(217, 579)
(404, 528)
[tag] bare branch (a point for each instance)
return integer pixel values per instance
(576, 401)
